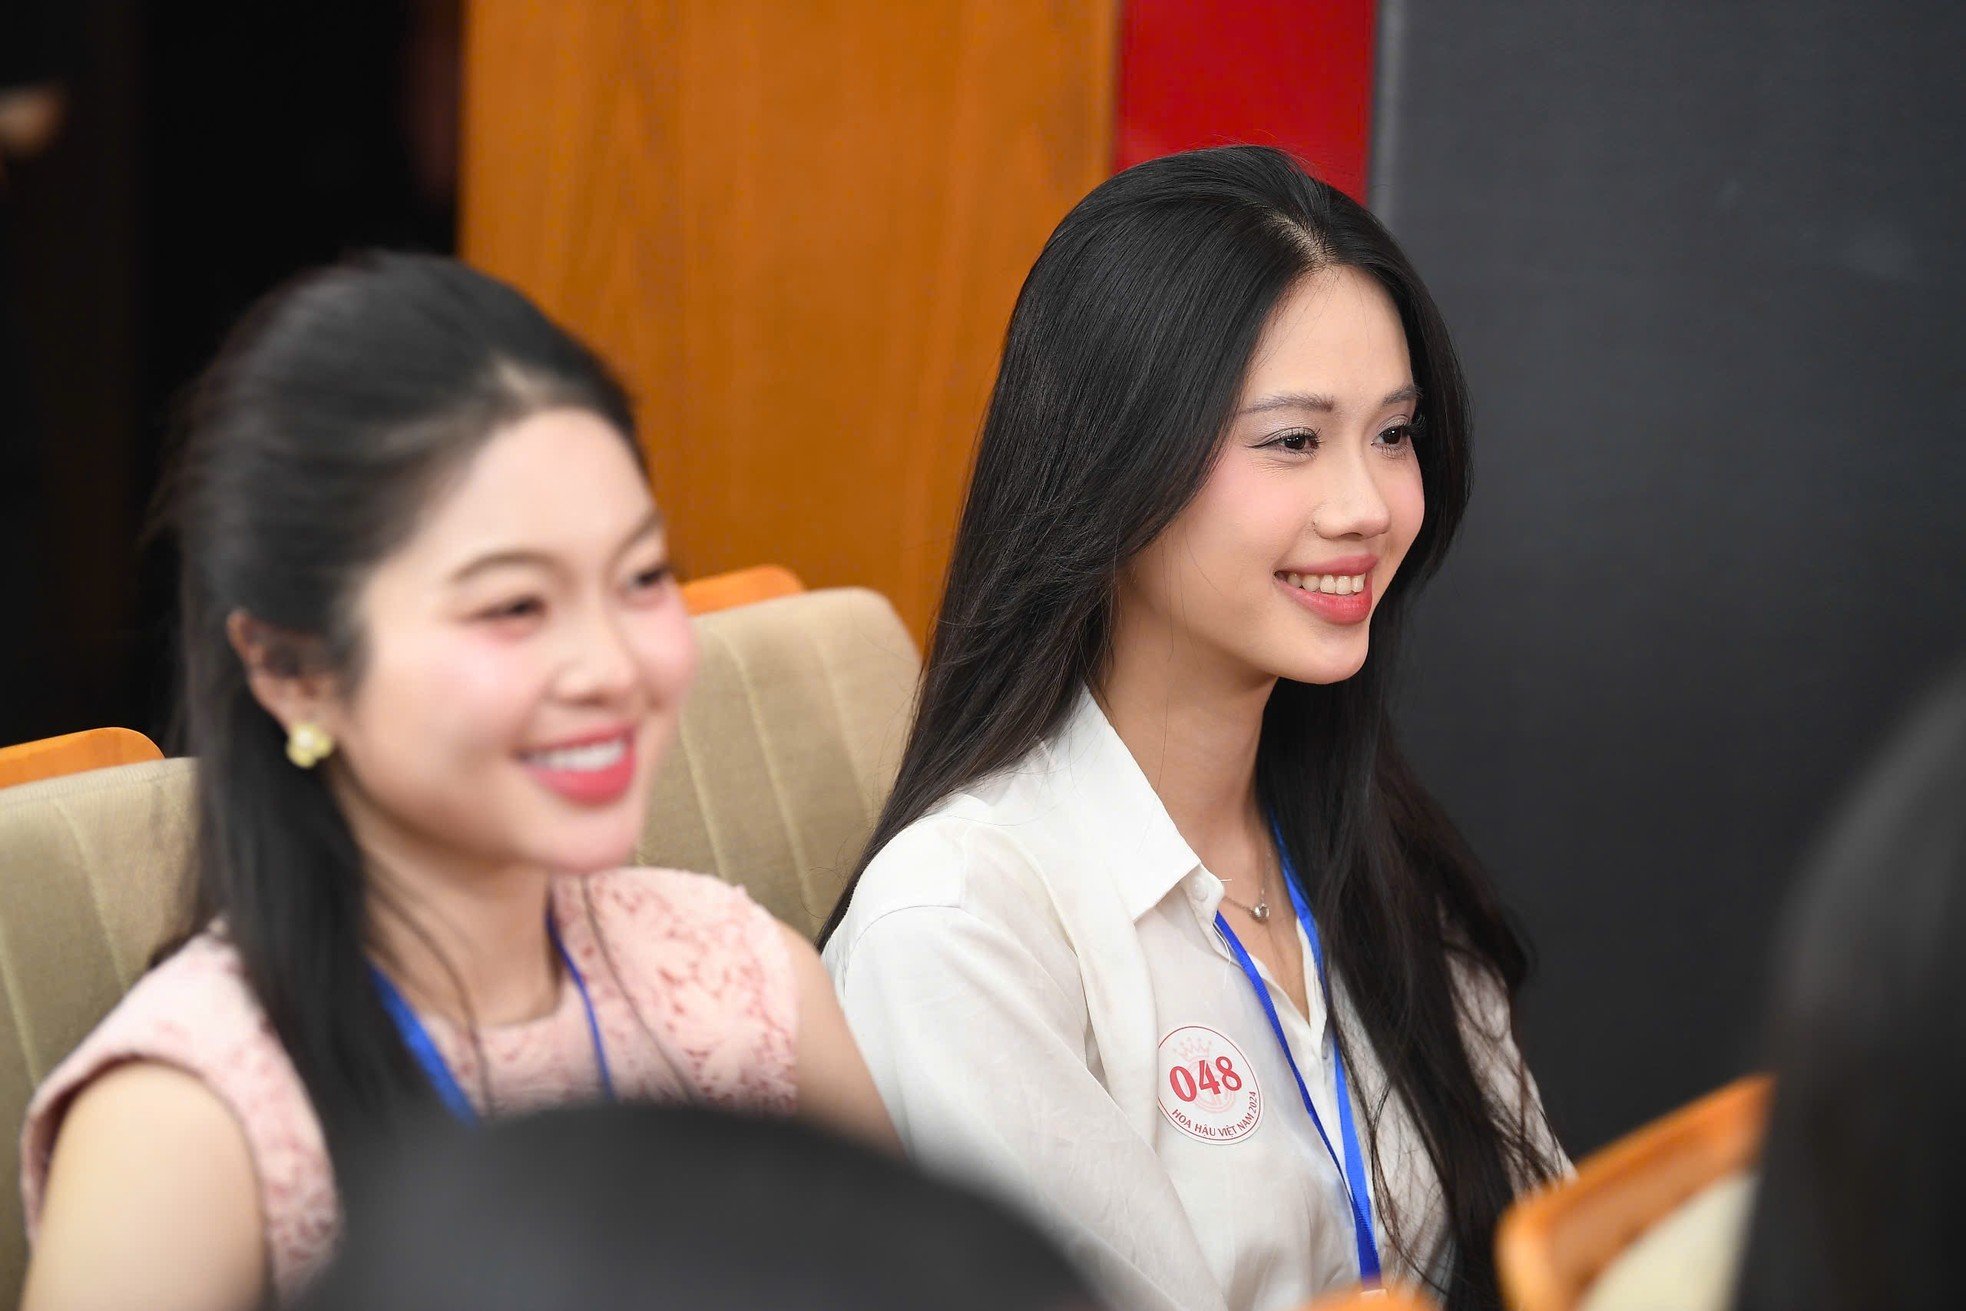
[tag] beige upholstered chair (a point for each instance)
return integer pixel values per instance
(789, 744)
(788, 748)
(91, 876)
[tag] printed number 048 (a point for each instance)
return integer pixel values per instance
(1190, 1086)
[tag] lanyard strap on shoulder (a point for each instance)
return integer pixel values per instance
(1351, 1171)
(586, 1004)
(1362, 1233)
(1347, 1126)
(423, 1049)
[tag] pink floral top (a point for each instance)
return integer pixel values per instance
(691, 984)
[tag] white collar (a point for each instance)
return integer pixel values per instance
(1147, 855)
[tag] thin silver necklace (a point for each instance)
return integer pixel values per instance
(1260, 912)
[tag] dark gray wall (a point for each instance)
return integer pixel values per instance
(1704, 264)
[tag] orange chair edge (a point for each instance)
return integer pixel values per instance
(73, 753)
(763, 582)
(1707, 1139)
(1393, 1297)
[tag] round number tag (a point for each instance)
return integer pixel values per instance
(1207, 1089)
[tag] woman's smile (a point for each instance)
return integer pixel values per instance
(1337, 591)
(595, 769)
(1334, 598)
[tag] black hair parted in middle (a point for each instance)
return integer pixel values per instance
(1123, 363)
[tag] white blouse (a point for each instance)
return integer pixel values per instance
(1035, 977)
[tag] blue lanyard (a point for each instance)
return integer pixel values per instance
(424, 1050)
(1352, 1173)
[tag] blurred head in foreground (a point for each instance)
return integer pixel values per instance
(1861, 1199)
(610, 1208)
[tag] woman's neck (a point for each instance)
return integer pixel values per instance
(1193, 729)
(463, 938)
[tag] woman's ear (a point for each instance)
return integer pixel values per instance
(284, 669)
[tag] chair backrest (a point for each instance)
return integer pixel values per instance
(1553, 1246)
(1394, 1297)
(71, 753)
(91, 884)
(788, 746)
(764, 582)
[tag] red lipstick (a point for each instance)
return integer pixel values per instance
(595, 770)
(1333, 607)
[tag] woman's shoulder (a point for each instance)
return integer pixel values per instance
(965, 855)
(196, 1013)
(1001, 846)
(1487, 1014)
(669, 902)
(704, 966)
(1481, 996)
(194, 1009)
(669, 926)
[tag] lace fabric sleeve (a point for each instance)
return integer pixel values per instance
(705, 971)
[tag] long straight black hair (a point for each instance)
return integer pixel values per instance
(335, 411)
(1859, 1203)
(1123, 362)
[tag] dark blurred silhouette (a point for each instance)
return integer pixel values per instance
(618, 1207)
(1863, 1182)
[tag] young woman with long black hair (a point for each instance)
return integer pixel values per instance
(432, 650)
(1158, 930)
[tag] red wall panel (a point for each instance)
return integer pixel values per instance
(1289, 73)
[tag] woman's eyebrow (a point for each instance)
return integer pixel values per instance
(499, 559)
(1296, 400)
(653, 522)
(1322, 404)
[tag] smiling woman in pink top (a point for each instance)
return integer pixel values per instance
(432, 653)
